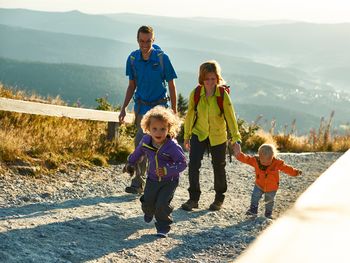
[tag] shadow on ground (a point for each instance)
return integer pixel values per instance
(75, 240)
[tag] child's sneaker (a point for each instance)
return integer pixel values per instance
(162, 233)
(147, 218)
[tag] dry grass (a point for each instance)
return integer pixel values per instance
(52, 142)
(321, 140)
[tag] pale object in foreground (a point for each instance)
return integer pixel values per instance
(316, 229)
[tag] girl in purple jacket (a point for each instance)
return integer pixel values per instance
(166, 160)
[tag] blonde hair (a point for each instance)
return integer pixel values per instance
(207, 67)
(267, 150)
(163, 114)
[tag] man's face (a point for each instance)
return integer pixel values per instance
(145, 41)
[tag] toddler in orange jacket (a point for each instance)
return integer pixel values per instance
(267, 168)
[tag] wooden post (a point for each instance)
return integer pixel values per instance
(112, 131)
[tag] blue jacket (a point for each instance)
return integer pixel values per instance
(150, 76)
(169, 156)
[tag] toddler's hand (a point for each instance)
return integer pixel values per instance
(299, 172)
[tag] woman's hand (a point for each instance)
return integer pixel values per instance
(187, 145)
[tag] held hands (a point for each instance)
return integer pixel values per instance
(129, 169)
(236, 148)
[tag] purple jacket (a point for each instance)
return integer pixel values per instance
(170, 156)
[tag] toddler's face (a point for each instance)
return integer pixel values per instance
(265, 160)
(158, 130)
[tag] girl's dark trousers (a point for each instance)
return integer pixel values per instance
(156, 201)
(218, 156)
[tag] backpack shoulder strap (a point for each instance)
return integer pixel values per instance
(197, 96)
(132, 63)
(220, 99)
(160, 55)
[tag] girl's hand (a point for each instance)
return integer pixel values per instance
(160, 172)
(187, 144)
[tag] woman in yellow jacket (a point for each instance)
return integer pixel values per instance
(206, 128)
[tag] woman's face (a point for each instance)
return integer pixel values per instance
(210, 80)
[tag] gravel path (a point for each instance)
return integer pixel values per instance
(85, 216)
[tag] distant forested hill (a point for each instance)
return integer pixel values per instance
(34, 45)
(70, 81)
(86, 83)
(281, 69)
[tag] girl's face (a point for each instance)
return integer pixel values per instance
(210, 80)
(158, 130)
(265, 160)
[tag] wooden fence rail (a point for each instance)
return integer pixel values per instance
(29, 107)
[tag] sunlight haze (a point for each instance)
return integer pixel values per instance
(317, 11)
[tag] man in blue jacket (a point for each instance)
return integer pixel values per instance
(149, 70)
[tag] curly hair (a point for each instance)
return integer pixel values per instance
(163, 114)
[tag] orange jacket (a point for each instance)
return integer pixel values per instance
(267, 180)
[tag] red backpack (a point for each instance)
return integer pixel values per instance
(220, 99)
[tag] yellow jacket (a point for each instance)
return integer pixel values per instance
(210, 122)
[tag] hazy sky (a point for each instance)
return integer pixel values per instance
(322, 11)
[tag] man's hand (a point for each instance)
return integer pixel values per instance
(122, 115)
(129, 169)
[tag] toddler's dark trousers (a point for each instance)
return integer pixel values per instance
(156, 201)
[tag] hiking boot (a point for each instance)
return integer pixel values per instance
(216, 205)
(189, 205)
(133, 190)
(147, 218)
(269, 215)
